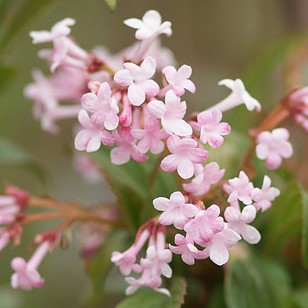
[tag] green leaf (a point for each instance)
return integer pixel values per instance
(99, 265)
(20, 14)
(11, 155)
(273, 55)
(112, 4)
(283, 219)
(148, 298)
(256, 282)
(135, 185)
(6, 74)
(305, 227)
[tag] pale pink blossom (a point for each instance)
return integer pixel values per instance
(86, 166)
(273, 146)
(178, 79)
(217, 249)
(175, 211)
(211, 128)
(4, 238)
(206, 223)
(150, 138)
(184, 155)
(125, 148)
(126, 261)
(103, 106)
(137, 79)
(239, 188)
(263, 197)
(61, 28)
(9, 209)
(153, 266)
(46, 94)
(90, 137)
(238, 96)
(239, 222)
(204, 178)
(126, 116)
(150, 25)
(298, 104)
(26, 275)
(171, 114)
(186, 248)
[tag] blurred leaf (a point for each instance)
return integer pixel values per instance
(304, 200)
(135, 185)
(148, 298)
(112, 4)
(257, 77)
(256, 282)
(235, 145)
(99, 265)
(6, 73)
(19, 16)
(14, 156)
(300, 298)
(284, 219)
(217, 298)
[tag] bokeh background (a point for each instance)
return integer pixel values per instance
(262, 42)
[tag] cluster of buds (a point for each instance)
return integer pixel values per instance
(132, 101)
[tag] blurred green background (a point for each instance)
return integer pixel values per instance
(255, 40)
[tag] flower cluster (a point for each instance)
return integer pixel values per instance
(133, 102)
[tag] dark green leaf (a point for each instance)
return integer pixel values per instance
(99, 265)
(20, 15)
(256, 282)
(6, 73)
(283, 219)
(273, 55)
(148, 298)
(305, 227)
(135, 185)
(112, 4)
(11, 155)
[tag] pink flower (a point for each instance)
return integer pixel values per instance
(8, 210)
(151, 136)
(239, 222)
(126, 261)
(175, 211)
(178, 80)
(265, 195)
(238, 96)
(210, 127)
(61, 28)
(239, 189)
(90, 137)
(126, 148)
(26, 275)
(149, 26)
(298, 104)
(273, 146)
(86, 166)
(206, 223)
(184, 154)
(205, 177)
(103, 106)
(171, 114)
(46, 94)
(4, 238)
(137, 79)
(153, 266)
(218, 247)
(186, 248)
